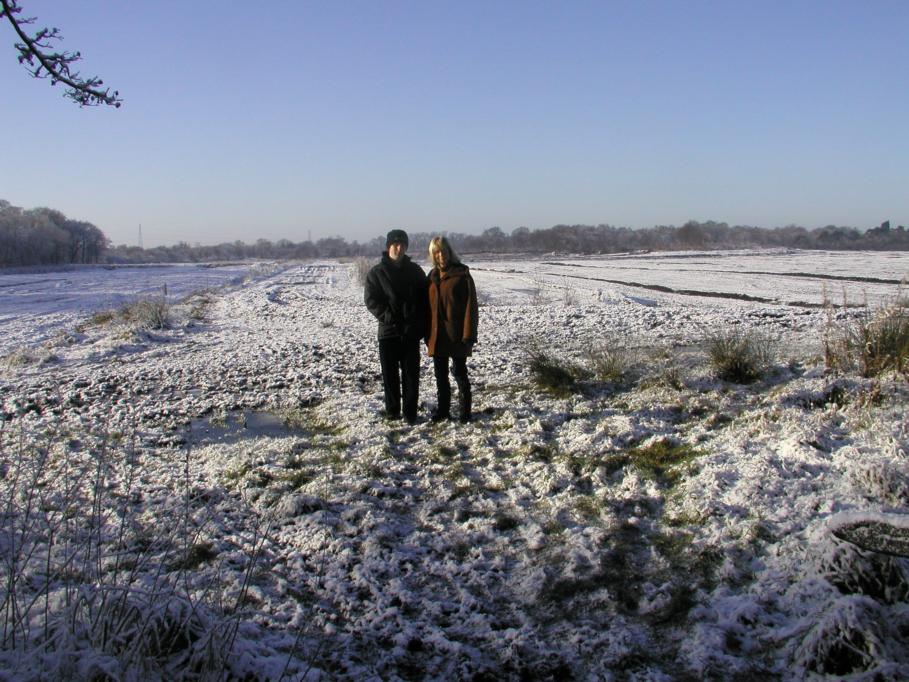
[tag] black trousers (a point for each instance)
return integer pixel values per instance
(400, 360)
(443, 385)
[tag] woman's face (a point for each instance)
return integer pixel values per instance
(442, 257)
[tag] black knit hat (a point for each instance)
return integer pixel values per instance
(396, 236)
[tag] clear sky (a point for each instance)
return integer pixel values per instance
(288, 118)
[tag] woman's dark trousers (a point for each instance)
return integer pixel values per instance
(443, 387)
(400, 360)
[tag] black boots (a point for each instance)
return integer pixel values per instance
(464, 401)
(443, 389)
(443, 411)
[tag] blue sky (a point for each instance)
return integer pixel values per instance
(287, 119)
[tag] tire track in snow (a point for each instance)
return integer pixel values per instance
(661, 288)
(802, 275)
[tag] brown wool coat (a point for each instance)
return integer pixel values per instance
(453, 312)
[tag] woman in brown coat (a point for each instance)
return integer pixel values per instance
(453, 313)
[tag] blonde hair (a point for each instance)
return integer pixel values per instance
(436, 244)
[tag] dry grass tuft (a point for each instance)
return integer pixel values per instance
(874, 342)
(740, 356)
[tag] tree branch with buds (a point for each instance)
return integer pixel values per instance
(37, 54)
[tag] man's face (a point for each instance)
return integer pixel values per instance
(396, 250)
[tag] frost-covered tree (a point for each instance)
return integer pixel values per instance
(37, 54)
(43, 236)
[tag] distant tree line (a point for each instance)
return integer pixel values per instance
(583, 239)
(590, 239)
(45, 236)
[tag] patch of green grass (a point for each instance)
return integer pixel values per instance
(684, 557)
(589, 507)
(615, 462)
(541, 452)
(294, 418)
(685, 519)
(370, 470)
(296, 479)
(335, 460)
(662, 460)
(675, 545)
(234, 476)
(219, 419)
(320, 426)
(552, 527)
(441, 454)
(298, 418)
(339, 446)
(460, 550)
(578, 463)
(295, 462)
(717, 421)
(455, 471)
(757, 531)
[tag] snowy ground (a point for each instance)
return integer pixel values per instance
(541, 541)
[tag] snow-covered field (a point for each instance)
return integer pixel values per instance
(669, 526)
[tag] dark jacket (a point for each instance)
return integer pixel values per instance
(396, 295)
(453, 312)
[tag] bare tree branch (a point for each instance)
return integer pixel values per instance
(37, 55)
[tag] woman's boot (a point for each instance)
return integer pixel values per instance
(464, 402)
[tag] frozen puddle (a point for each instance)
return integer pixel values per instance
(239, 425)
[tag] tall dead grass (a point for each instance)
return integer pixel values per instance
(874, 341)
(96, 585)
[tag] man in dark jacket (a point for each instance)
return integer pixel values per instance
(396, 295)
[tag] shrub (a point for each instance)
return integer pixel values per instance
(552, 374)
(147, 313)
(102, 317)
(887, 482)
(739, 356)
(609, 362)
(848, 638)
(24, 357)
(95, 587)
(199, 302)
(360, 268)
(537, 293)
(569, 294)
(21, 357)
(874, 342)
